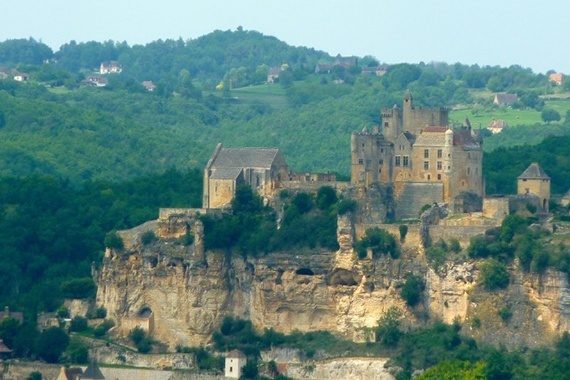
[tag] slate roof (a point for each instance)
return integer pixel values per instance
(534, 171)
(226, 173)
(3, 348)
(92, 372)
(431, 137)
(235, 354)
(245, 158)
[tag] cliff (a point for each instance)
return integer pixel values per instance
(180, 293)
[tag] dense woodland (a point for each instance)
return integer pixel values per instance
(78, 162)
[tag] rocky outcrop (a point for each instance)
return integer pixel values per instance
(342, 368)
(180, 293)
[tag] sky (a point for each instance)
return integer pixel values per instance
(529, 33)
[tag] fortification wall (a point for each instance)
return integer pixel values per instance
(313, 185)
(414, 195)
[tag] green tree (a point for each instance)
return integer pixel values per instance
(77, 352)
(78, 324)
(493, 275)
(388, 331)
(326, 197)
(51, 344)
(412, 290)
(549, 115)
(79, 288)
(114, 241)
(35, 375)
(250, 370)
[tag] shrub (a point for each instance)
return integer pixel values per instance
(412, 290)
(100, 312)
(102, 328)
(114, 241)
(303, 202)
(436, 257)
(77, 352)
(78, 324)
(388, 331)
(249, 370)
(380, 241)
(494, 275)
(454, 245)
(137, 335)
(35, 375)
(403, 228)
(346, 205)
(326, 197)
(62, 312)
(51, 344)
(189, 238)
(505, 313)
(148, 237)
(79, 288)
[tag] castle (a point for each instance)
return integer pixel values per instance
(422, 158)
(415, 158)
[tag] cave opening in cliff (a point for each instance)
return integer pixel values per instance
(145, 312)
(305, 272)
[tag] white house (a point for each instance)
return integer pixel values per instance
(235, 360)
(110, 67)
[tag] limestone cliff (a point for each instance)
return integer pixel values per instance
(181, 293)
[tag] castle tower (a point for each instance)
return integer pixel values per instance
(391, 123)
(371, 158)
(535, 181)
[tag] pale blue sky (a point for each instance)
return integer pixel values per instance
(498, 32)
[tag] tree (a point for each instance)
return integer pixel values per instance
(412, 290)
(326, 197)
(388, 331)
(77, 351)
(78, 324)
(79, 288)
(403, 228)
(114, 241)
(548, 115)
(35, 375)
(250, 371)
(494, 275)
(51, 344)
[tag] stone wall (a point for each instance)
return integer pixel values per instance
(414, 195)
(342, 368)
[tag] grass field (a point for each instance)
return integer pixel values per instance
(481, 116)
(272, 95)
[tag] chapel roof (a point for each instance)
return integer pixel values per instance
(245, 158)
(534, 171)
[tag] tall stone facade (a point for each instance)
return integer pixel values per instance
(422, 157)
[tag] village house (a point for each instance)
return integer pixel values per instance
(497, 126)
(235, 360)
(96, 81)
(149, 85)
(273, 74)
(110, 67)
(21, 77)
(556, 78)
(505, 99)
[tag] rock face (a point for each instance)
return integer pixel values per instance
(180, 294)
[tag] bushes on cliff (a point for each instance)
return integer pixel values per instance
(412, 290)
(141, 340)
(79, 288)
(114, 241)
(493, 275)
(380, 241)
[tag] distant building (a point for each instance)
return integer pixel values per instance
(273, 74)
(69, 373)
(235, 360)
(556, 78)
(96, 81)
(505, 99)
(565, 201)
(340, 61)
(21, 77)
(11, 314)
(92, 372)
(375, 70)
(497, 126)
(535, 181)
(149, 85)
(5, 352)
(110, 67)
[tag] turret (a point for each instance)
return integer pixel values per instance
(448, 150)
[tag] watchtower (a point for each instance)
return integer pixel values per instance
(535, 181)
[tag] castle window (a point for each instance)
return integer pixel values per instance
(439, 153)
(398, 160)
(380, 170)
(406, 161)
(429, 177)
(439, 177)
(385, 124)
(381, 161)
(439, 165)
(468, 170)
(426, 165)
(426, 153)
(360, 161)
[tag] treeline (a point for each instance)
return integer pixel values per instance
(51, 231)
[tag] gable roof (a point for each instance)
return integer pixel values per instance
(534, 171)
(225, 173)
(3, 348)
(235, 354)
(245, 158)
(92, 372)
